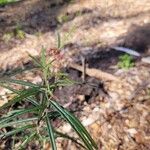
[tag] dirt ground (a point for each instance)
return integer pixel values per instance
(116, 114)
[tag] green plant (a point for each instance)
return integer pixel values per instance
(61, 42)
(63, 18)
(19, 33)
(125, 61)
(8, 36)
(44, 109)
(4, 2)
(78, 13)
(67, 17)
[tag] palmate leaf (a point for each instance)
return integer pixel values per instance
(76, 125)
(51, 133)
(23, 95)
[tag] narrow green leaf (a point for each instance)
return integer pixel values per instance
(64, 82)
(4, 2)
(58, 40)
(77, 129)
(11, 115)
(16, 131)
(36, 61)
(67, 36)
(53, 115)
(25, 94)
(82, 128)
(49, 63)
(43, 57)
(31, 100)
(19, 71)
(59, 134)
(18, 122)
(51, 133)
(27, 140)
(20, 82)
(77, 126)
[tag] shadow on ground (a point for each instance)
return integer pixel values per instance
(138, 37)
(32, 16)
(29, 16)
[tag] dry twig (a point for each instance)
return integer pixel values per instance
(92, 72)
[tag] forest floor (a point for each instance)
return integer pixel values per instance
(116, 113)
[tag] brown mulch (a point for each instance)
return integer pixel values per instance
(116, 113)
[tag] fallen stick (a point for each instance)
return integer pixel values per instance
(92, 72)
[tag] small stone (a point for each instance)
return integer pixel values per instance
(132, 131)
(109, 126)
(96, 109)
(86, 109)
(81, 97)
(37, 79)
(66, 128)
(146, 60)
(2, 102)
(113, 95)
(88, 121)
(95, 128)
(127, 122)
(139, 137)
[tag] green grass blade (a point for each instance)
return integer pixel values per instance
(31, 100)
(4, 2)
(58, 40)
(22, 111)
(53, 115)
(64, 82)
(36, 61)
(76, 125)
(51, 133)
(27, 140)
(18, 122)
(24, 94)
(11, 115)
(43, 57)
(4, 135)
(82, 128)
(20, 82)
(77, 129)
(59, 134)
(18, 71)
